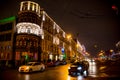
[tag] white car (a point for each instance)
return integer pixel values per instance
(32, 66)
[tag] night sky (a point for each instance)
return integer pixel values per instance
(94, 20)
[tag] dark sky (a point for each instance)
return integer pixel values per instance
(94, 20)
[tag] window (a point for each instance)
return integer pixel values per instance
(28, 30)
(25, 5)
(6, 27)
(5, 37)
(8, 56)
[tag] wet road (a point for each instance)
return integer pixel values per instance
(61, 73)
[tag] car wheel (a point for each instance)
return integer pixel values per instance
(42, 69)
(82, 72)
(30, 70)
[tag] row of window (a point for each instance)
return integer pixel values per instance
(30, 6)
(4, 56)
(29, 17)
(52, 27)
(33, 20)
(47, 46)
(5, 37)
(8, 47)
(27, 43)
(6, 27)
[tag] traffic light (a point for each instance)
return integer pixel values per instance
(115, 8)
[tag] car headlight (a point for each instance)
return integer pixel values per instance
(19, 68)
(79, 68)
(68, 67)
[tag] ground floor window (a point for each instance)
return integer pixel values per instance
(24, 57)
(5, 56)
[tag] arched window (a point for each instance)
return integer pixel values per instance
(28, 31)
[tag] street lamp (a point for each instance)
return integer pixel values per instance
(69, 36)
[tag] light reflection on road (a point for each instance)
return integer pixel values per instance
(61, 73)
(80, 78)
(27, 77)
(92, 69)
(92, 72)
(24, 76)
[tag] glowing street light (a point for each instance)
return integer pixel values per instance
(69, 36)
(111, 50)
(77, 45)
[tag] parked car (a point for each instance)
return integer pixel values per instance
(52, 63)
(56, 63)
(79, 68)
(63, 62)
(32, 66)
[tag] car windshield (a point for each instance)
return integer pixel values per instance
(77, 63)
(29, 64)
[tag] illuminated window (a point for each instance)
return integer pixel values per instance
(28, 30)
(20, 43)
(24, 6)
(2, 56)
(34, 7)
(8, 56)
(43, 16)
(64, 34)
(24, 43)
(17, 43)
(31, 6)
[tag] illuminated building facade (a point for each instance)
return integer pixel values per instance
(29, 33)
(34, 36)
(7, 33)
